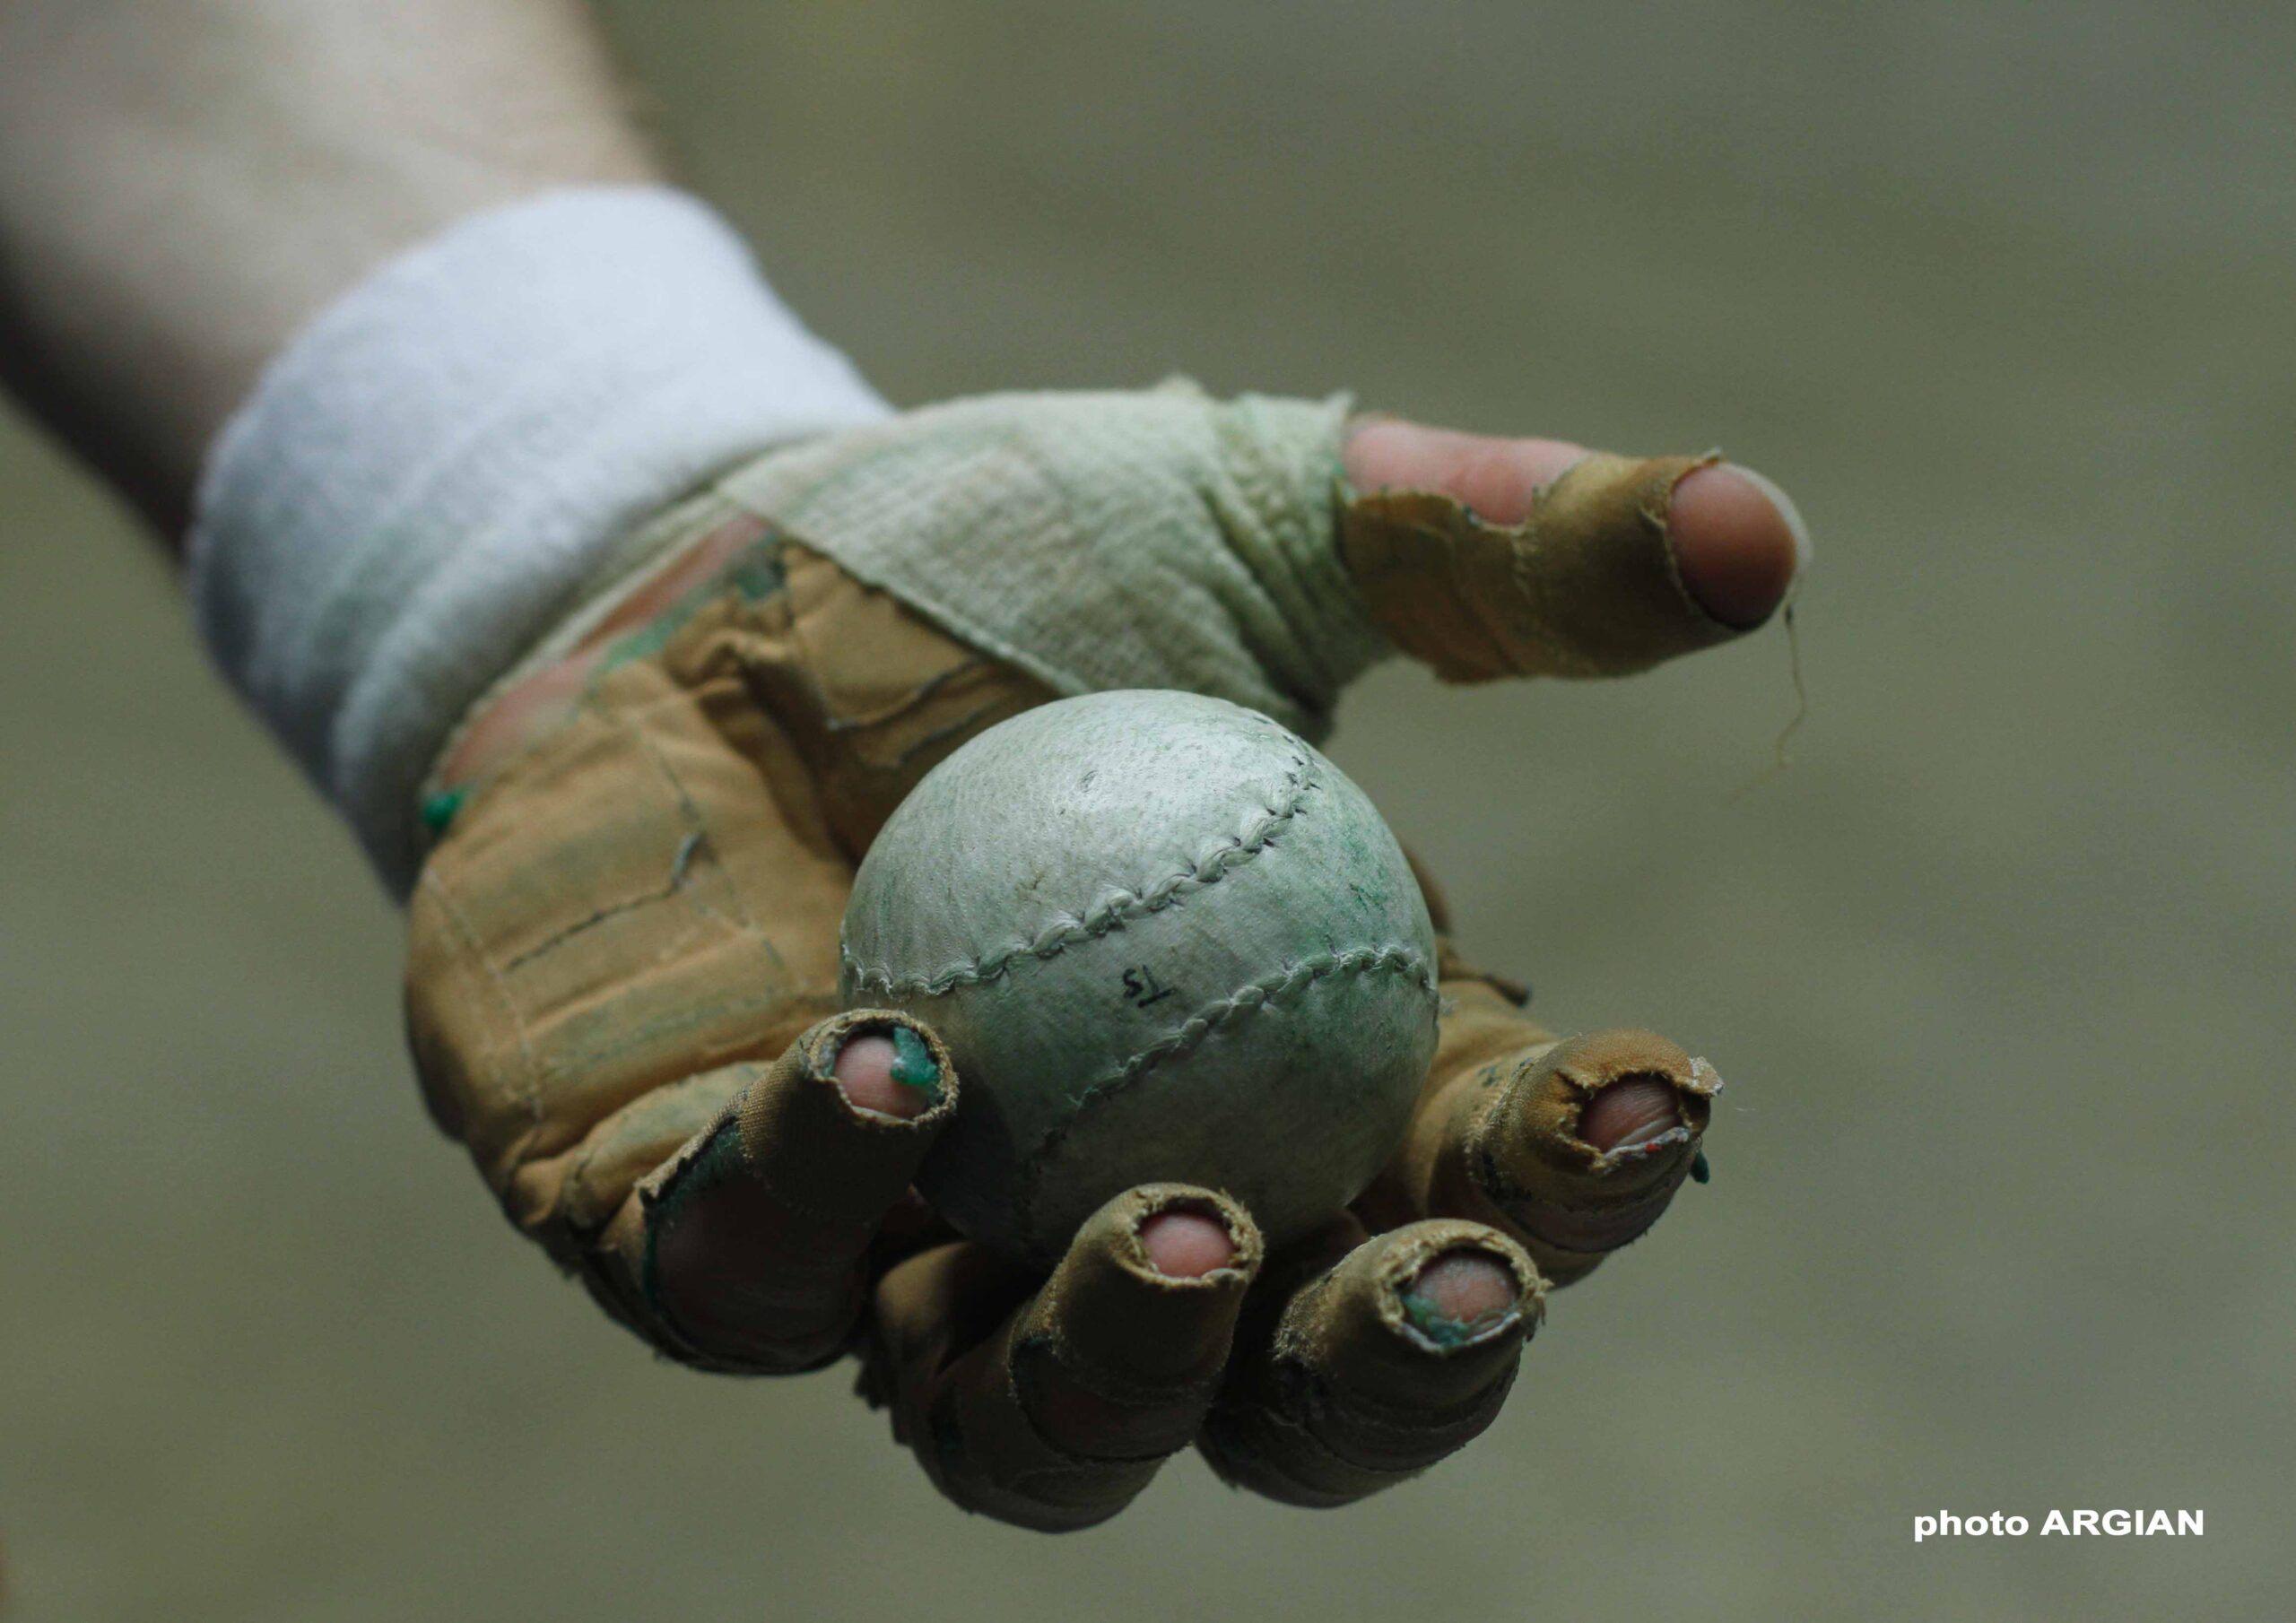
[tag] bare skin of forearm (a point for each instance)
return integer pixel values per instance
(183, 183)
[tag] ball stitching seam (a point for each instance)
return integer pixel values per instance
(1096, 922)
(1396, 959)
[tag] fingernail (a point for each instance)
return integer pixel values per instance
(1461, 1296)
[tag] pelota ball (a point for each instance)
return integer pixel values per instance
(1164, 939)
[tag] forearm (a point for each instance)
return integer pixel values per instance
(183, 183)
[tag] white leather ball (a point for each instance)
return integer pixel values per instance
(1164, 939)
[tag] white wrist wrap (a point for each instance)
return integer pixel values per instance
(423, 480)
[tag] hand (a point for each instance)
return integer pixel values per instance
(623, 970)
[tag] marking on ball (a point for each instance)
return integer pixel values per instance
(1140, 987)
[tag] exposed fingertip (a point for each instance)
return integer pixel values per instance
(1185, 1243)
(1460, 1296)
(1629, 1113)
(878, 1072)
(1738, 542)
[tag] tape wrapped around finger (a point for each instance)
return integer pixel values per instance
(816, 1177)
(1055, 1418)
(1575, 1202)
(1586, 585)
(1498, 1135)
(1355, 1387)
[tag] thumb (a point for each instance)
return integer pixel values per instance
(1487, 557)
(1162, 539)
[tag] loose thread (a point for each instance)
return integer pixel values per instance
(1781, 761)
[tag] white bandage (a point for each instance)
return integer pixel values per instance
(1155, 538)
(425, 477)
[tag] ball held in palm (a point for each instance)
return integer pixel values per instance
(1164, 939)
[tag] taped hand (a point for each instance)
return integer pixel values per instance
(623, 962)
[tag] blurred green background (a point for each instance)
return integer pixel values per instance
(2000, 972)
